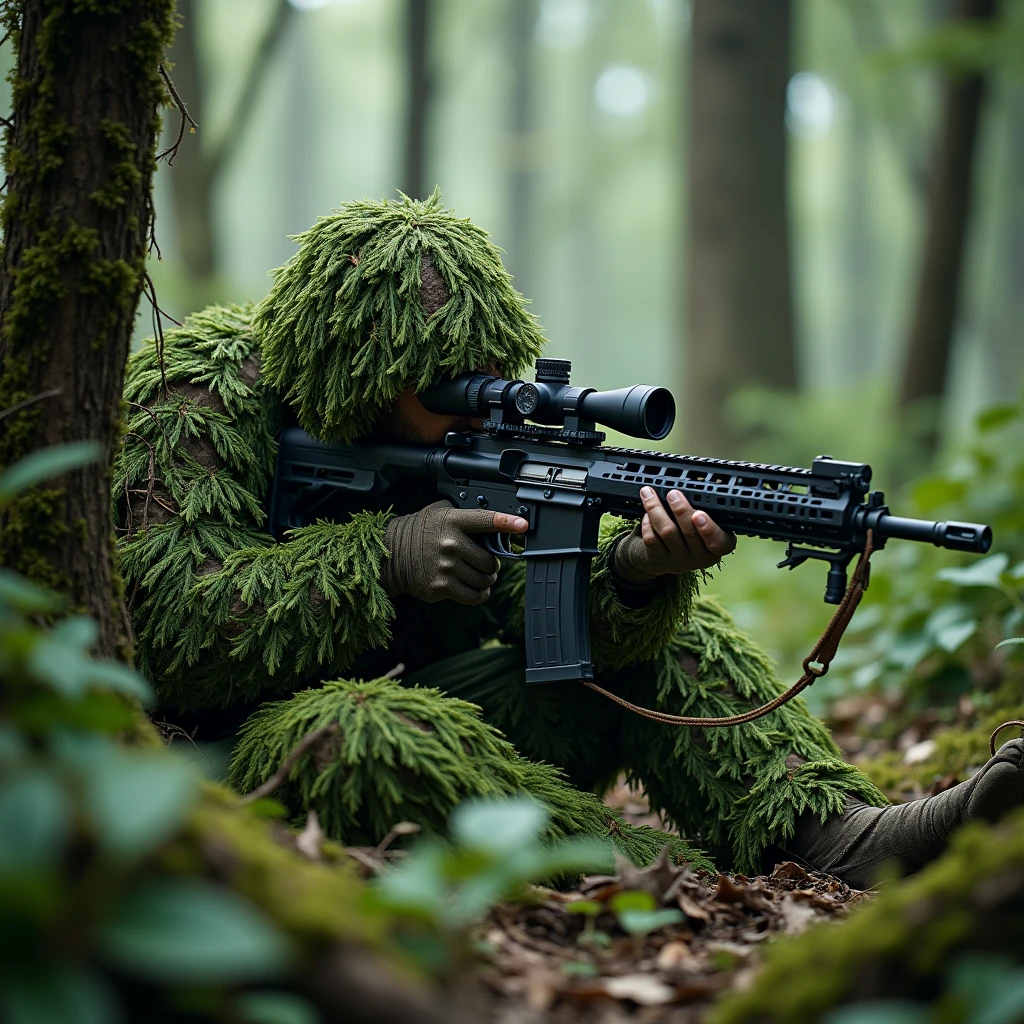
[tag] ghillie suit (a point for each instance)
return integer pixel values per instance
(381, 296)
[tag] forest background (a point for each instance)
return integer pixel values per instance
(805, 216)
(579, 133)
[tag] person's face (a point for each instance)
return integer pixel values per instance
(410, 420)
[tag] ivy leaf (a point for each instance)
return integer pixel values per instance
(136, 801)
(497, 825)
(56, 996)
(642, 922)
(275, 1008)
(996, 416)
(46, 463)
(18, 593)
(192, 932)
(984, 573)
(34, 819)
(112, 675)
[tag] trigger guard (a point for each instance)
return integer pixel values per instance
(498, 545)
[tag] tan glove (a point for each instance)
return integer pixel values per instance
(434, 558)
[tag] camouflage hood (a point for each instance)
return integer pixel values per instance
(381, 296)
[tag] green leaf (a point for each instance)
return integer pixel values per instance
(952, 637)
(589, 907)
(191, 932)
(996, 416)
(497, 825)
(642, 922)
(34, 820)
(49, 462)
(1013, 641)
(1017, 572)
(137, 801)
(984, 573)
(275, 1008)
(18, 593)
(882, 1012)
(59, 995)
(112, 675)
(634, 899)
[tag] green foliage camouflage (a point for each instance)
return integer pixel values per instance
(381, 296)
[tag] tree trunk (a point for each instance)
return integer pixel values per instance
(418, 23)
(80, 158)
(740, 316)
(949, 202)
(522, 16)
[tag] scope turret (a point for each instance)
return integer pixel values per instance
(640, 411)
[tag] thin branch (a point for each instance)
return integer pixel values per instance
(311, 739)
(172, 151)
(52, 393)
(242, 114)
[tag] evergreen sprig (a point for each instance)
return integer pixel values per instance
(344, 329)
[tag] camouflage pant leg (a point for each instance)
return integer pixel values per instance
(730, 789)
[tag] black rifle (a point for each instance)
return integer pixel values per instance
(562, 480)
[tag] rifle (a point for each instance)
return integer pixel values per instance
(556, 473)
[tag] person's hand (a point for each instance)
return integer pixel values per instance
(669, 541)
(434, 557)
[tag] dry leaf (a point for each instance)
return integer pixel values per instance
(796, 915)
(308, 841)
(644, 989)
(676, 956)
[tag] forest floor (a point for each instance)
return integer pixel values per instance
(545, 963)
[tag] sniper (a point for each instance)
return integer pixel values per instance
(255, 642)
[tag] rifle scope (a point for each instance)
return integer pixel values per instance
(640, 411)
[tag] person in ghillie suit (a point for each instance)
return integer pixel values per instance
(264, 641)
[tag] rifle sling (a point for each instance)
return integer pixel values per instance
(815, 664)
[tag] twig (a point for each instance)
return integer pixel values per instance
(149, 485)
(395, 672)
(311, 739)
(149, 290)
(364, 858)
(403, 828)
(52, 393)
(185, 117)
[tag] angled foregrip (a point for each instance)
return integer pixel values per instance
(557, 626)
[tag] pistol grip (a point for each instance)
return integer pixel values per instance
(557, 619)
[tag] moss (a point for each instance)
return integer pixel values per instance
(958, 750)
(315, 903)
(900, 945)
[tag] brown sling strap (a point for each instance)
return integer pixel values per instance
(815, 664)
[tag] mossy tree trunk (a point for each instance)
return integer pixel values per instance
(79, 156)
(740, 311)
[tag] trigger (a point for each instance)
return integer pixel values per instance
(498, 544)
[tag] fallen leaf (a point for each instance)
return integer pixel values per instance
(644, 989)
(658, 878)
(796, 915)
(789, 870)
(919, 752)
(729, 892)
(691, 908)
(310, 838)
(676, 956)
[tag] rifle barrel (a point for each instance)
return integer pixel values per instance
(955, 536)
